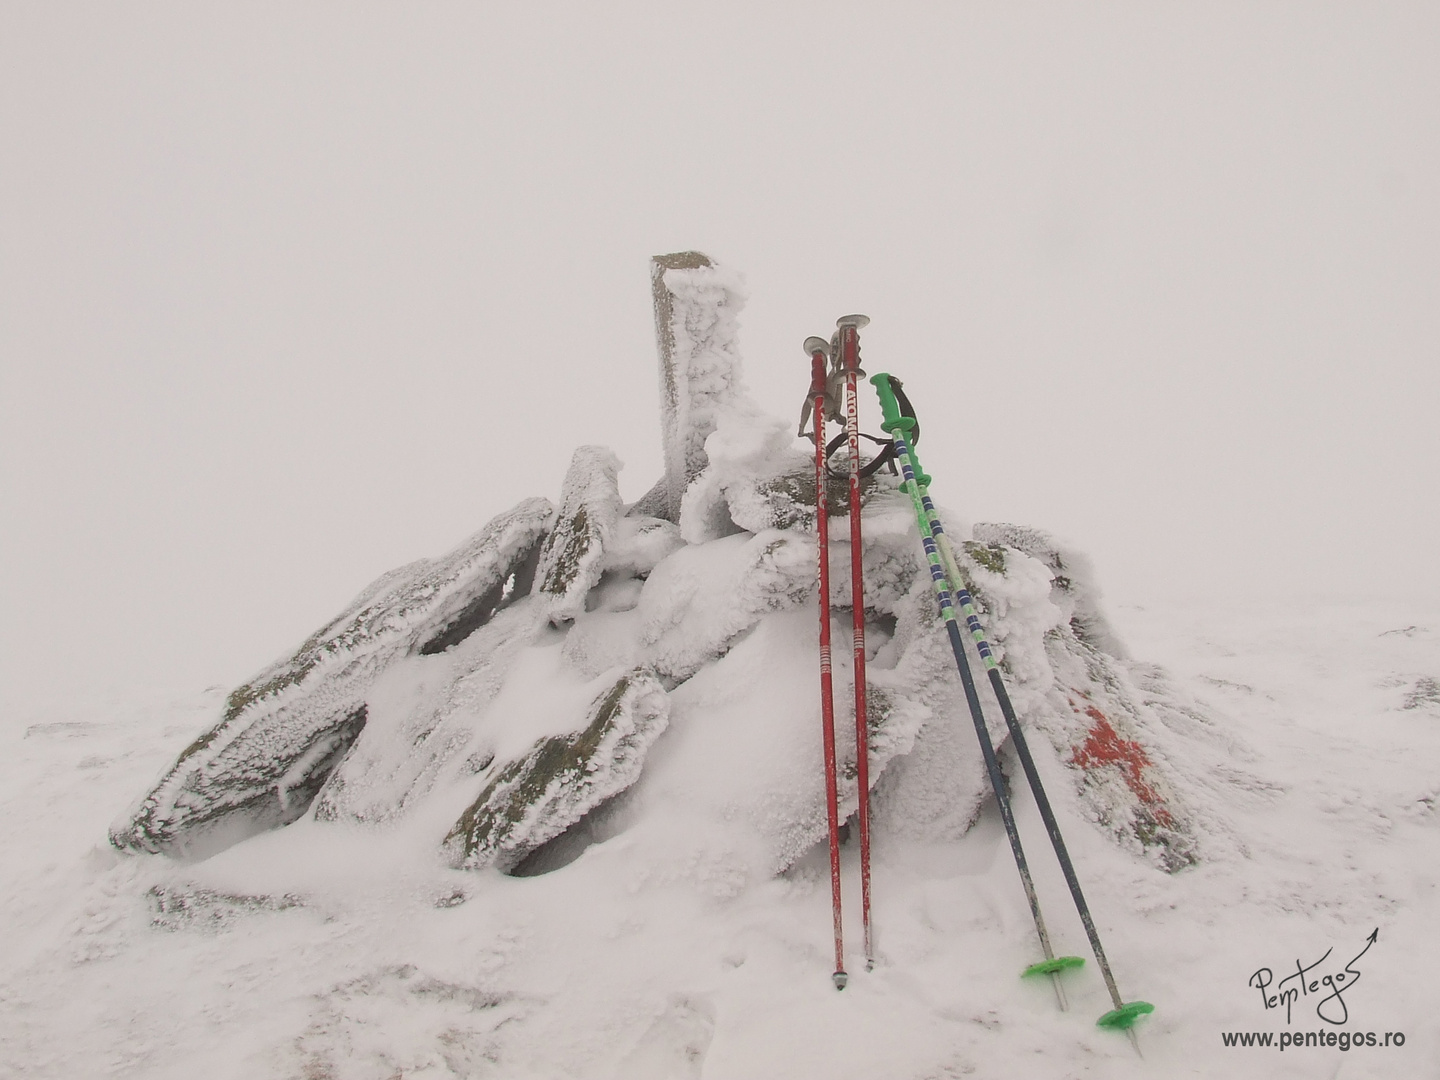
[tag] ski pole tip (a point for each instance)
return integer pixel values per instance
(840, 979)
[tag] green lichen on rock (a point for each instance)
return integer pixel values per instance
(791, 497)
(572, 559)
(989, 556)
(560, 758)
(567, 546)
(536, 797)
(879, 704)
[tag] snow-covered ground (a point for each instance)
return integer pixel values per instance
(345, 951)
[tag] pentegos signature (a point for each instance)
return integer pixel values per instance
(1306, 981)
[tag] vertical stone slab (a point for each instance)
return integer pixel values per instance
(570, 561)
(696, 305)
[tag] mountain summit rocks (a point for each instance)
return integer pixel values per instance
(574, 673)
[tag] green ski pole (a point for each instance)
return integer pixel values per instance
(1051, 965)
(942, 557)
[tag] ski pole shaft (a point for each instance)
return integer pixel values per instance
(1022, 750)
(819, 350)
(850, 356)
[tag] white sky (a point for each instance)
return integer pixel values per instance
(292, 294)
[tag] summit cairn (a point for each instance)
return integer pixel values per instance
(519, 690)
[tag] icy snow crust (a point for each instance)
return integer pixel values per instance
(338, 949)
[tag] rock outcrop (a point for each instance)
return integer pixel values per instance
(665, 652)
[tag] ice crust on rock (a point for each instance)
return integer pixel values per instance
(424, 713)
(571, 559)
(697, 305)
(282, 733)
(1039, 607)
(535, 798)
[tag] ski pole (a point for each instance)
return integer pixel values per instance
(849, 327)
(819, 352)
(1051, 964)
(939, 551)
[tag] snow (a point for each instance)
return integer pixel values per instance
(630, 963)
(568, 807)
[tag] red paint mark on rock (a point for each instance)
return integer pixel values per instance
(1104, 746)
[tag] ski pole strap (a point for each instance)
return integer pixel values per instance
(887, 454)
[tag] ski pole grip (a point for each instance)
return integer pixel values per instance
(849, 335)
(819, 350)
(889, 407)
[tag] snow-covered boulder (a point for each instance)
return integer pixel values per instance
(1068, 678)
(571, 560)
(283, 733)
(535, 798)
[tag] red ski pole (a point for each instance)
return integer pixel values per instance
(850, 357)
(819, 352)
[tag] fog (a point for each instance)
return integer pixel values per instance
(291, 295)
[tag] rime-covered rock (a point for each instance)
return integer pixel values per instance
(1067, 679)
(571, 559)
(425, 713)
(756, 479)
(533, 799)
(284, 732)
(1074, 589)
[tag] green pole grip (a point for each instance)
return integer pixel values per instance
(893, 422)
(889, 407)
